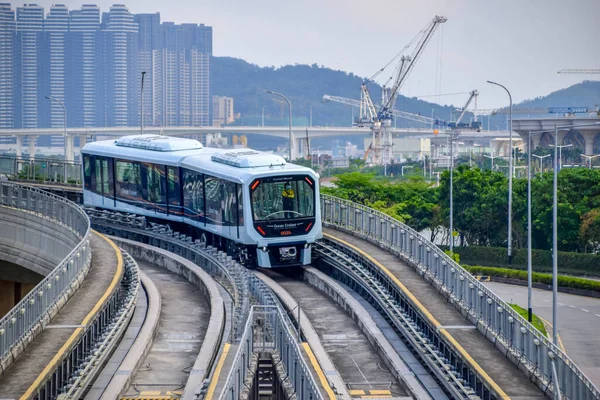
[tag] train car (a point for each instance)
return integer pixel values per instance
(260, 209)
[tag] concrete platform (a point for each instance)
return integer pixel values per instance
(26, 370)
(503, 372)
(184, 319)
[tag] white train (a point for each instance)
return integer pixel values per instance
(231, 198)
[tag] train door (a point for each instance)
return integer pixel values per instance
(102, 180)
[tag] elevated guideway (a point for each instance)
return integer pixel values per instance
(83, 299)
(493, 349)
(485, 345)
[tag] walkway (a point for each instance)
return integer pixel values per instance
(184, 318)
(500, 370)
(45, 352)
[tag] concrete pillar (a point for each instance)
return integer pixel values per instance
(70, 156)
(82, 141)
(589, 142)
(32, 142)
(19, 146)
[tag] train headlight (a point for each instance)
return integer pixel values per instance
(264, 249)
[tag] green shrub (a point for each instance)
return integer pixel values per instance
(537, 277)
(568, 262)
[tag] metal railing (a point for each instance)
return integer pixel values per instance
(19, 326)
(40, 170)
(268, 330)
(492, 316)
(243, 286)
(86, 358)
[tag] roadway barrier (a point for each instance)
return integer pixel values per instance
(46, 170)
(19, 327)
(524, 345)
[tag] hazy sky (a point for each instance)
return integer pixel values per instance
(519, 43)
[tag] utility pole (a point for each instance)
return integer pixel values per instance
(290, 121)
(142, 105)
(510, 175)
(65, 180)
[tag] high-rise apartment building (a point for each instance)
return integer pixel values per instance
(30, 68)
(84, 44)
(92, 62)
(120, 74)
(222, 110)
(7, 65)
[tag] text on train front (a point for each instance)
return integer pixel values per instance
(283, 205)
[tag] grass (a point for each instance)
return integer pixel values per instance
(563, 281)
(535, 320)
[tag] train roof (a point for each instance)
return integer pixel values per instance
(240, 164)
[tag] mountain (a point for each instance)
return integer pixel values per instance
(305, 86)
(584, 94)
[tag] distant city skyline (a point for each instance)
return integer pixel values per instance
(521, 44)
(91, 60)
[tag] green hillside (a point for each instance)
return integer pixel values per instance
(305, 86)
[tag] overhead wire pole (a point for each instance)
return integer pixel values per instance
(555, 224)
(142, 105)
(64, 136)
(290, 121)
(510, 173)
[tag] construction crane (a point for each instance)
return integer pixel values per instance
(579, 71)
(456, 124)
(379, 118)
(371, 116)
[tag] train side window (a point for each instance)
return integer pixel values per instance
(228, 203)
(214, 200)
(173, 186)
(156, 181)
(87, 172)
(193, 194)
(128, 180)
(240, 204)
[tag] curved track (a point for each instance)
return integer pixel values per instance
(362, 370)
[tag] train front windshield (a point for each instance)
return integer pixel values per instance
(283, 205)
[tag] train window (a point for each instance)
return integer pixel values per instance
(240, 202)
(214, 197)
(283, 198)
(128, 179)
(173, 186)
(193, 194)
(87, 172)
(156, 191)
(228, 204)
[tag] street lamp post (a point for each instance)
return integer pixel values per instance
(510, 175)
(290, 120)
(142, 105)
(64, 134)
(590, 158)
(541, 159)
(263, 115)
(560, 152)
(555, 225)
(491, 157)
